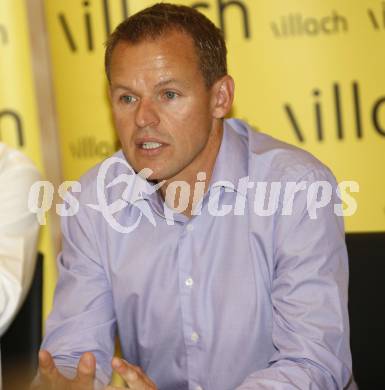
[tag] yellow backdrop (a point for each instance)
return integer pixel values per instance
(19, 125)
(310, 73)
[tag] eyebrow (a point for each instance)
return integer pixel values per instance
(165, 82)
(157, 85)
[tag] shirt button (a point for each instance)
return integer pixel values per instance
(194, 337)
(189, 282)
(190, 227)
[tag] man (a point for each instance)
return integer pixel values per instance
(19, 231)
(210, 290)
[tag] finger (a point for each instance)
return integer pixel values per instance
(146, 379)
(150, 384)
(86, 370)
(128, 372)
(47, 367)
(132, 375)
(142, 375)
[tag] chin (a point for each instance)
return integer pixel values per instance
(158, 174)
(155, 175)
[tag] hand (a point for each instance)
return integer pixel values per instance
(52, 379)
(134, 376)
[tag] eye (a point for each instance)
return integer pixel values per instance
(170, 95)
(127, 99)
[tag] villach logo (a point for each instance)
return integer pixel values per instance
(266, 201)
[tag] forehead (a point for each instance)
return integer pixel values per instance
(174, 51)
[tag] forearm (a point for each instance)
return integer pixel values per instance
(290, 375)
(10, 296)
(16, 271)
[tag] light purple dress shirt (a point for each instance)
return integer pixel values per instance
(213, 302)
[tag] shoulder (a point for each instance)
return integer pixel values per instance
(17, 172)
(13, 161)
(272, 159)
(100, 175)
(102, 192)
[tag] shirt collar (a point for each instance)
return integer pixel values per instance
(231, 163)
(232, 160)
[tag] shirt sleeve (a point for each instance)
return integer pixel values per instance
(83, 316)
(19, 231)
(309, 296)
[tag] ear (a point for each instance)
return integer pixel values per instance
(222, 96)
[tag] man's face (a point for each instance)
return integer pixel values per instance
(161, 106)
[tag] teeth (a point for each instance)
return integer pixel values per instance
(151, 145)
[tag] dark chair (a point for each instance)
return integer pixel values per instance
(366, 308)
(21, 342)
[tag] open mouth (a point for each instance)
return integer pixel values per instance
(150, 145)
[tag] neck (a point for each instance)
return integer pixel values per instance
(204, 162)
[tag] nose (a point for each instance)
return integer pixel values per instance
(146, 113)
